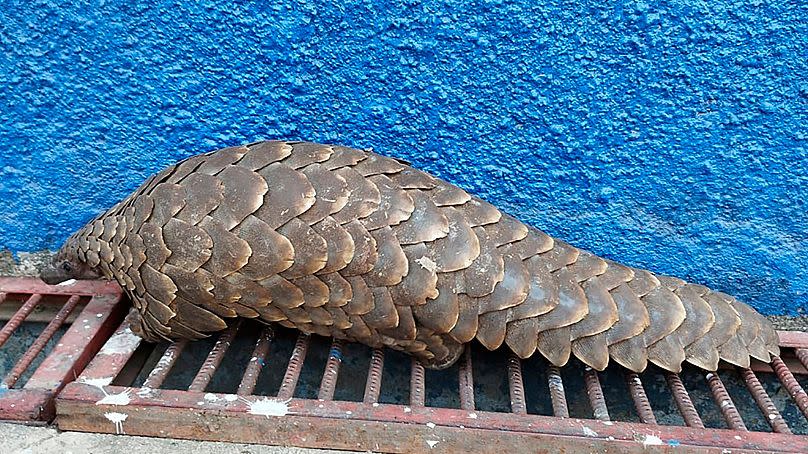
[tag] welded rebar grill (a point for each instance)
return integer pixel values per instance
(304, 412)
(77, 320)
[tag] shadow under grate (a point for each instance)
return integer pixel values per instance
(274, 386)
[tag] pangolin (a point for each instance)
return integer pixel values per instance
(347, 243)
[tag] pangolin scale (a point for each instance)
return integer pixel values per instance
(347, 243)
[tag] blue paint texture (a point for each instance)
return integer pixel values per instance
(669, 135)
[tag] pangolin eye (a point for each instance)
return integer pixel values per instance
(66, 267)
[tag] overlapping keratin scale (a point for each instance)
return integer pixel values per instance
(343, 242)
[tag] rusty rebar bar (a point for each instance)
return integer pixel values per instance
(417, 384)
(466, 380)
(595, 393)
(516, 386)
(41, 341)
(557, 395)
(725, 403)
(257, 362)
(215, 357)
(14, 322)
(790, 383)
(158, 375)
(373, 385)
(765, 403)
(802, 355)
(292, 375)
(329, 382)
(683, 402)
(641, 403)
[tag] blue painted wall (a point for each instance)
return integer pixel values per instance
(665, 134)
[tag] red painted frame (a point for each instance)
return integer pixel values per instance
(79, 344)
(91, 404)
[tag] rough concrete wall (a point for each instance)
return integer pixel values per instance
(669, 135)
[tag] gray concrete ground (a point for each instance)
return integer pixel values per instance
(19, 439)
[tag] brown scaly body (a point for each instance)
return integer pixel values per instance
(346, 243)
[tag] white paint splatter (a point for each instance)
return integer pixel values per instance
(431, 443)
(67, 282)
(589, 432)
(121, 343)
(650, 440)
(269, 407)
(772, 416)
(117, 419)
(375, 404)
(210, 397)
(472, 415)
(427, 264)
(122, 398)
(145, 392)
(556, 383)
(431, 425)
(407, 409)
(166, 360)
(97, 382)
(608, 423)
(230, 397)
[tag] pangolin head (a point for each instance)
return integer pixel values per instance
(66, 264)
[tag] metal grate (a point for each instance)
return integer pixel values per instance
(50, 333)
(253, 384)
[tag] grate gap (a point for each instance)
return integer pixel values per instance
(764, 402)
(137, 365)
(16, 320)
(395, 378)
(353, 372)
(231, 370)
(191, 358)
(725, 403)
(490, 375)
(280, 350)
(36, 336)
(42, 340)
(441, 386)
(214, 358)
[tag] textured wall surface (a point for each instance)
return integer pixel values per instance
(670, 135)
